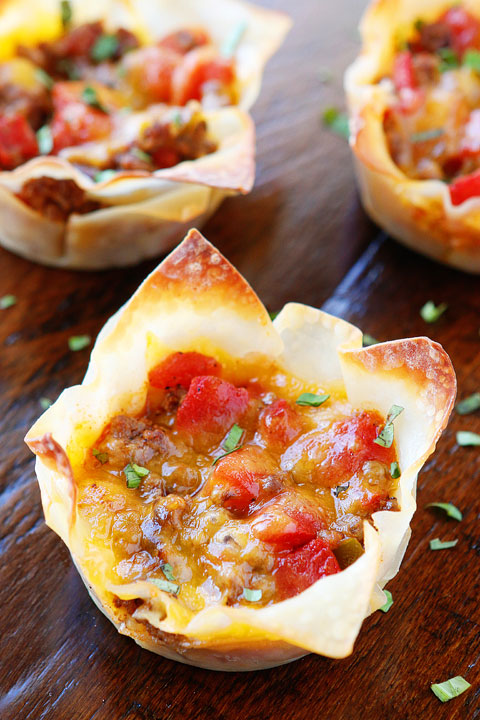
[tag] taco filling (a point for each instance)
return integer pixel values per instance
(236, 484)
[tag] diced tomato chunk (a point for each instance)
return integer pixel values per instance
(17, 141)
(299, 569)
(165, 158)
(280, 424)
(353, 443)
(286, 526)
(74, 122)
(464, 188)
(464, 29)
(179, 369)
(199, 67)
(183, 41)
(211, 406)
(156, 68)
(403, 71)
(238, 477)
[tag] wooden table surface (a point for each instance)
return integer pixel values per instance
(300, 235)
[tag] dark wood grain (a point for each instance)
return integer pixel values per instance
(295, 237)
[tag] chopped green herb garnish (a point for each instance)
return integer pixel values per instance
(7, 301)
(369, 340)
(385, 436)
(104, 48)
(337, 121)
(166, 585)
(469, 404)
(311, 399)
(45, 403)
(44, 78)
(101, 456)
(231, 442)
(134, 474)
(450, 509)
(167, 570)
(471, 59)
(395, 470)
(233, 438)
(431, 312)
(274, 314)
(252, 595)
(389, 603)
(419, 24)
(177, 119)
(450, 688)
(90, 97)
(45, 140)
(68, 67)
(232, 42)
(448, 59)
(141, 155)
(437, 544)
(79, 342)
(465, 438)
(340, 489)
(427, 135)
(66, 13)
(104, 175)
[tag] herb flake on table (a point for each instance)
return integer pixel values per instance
(431, 312)
(336, 121)
(7, 301)
(465, 438)
(450, 689)
(45, 403)
(385, 436)
(311, 399)
(386, 607)
(368, 340)
(468, 404)
(437, 544)
(450, 509)
(79, 342)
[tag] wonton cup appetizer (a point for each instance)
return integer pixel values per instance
(414, 98)
(236, 492)
(122, 122)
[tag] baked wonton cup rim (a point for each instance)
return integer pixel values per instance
(196, 300)
(388, 193)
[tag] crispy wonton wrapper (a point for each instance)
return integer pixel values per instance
(195, 300)
(148, 213)
(419, 213)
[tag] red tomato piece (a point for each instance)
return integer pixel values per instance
(464, 29)
(165, 158)
(211, 407)
(353, 443)
(74, 122)
(286, 524)
(464, 188)
(238, 478)
(184, 41)
(299, 569)
(200, 66)
(179, 369)
(17, 141)
(156, 71)
(279, 424)
(404, 72)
